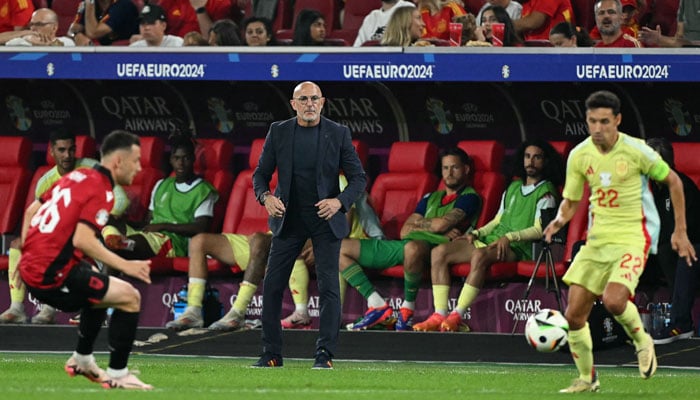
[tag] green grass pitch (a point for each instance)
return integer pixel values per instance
(40, 376)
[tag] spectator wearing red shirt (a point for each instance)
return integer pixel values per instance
(630, 25)
(540, 16)
(193, 15)
(608, 20)
(437, 15)
(15, 14)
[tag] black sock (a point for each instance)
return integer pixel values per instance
(91, 320)
(122, 331)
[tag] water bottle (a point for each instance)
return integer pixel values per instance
(181, 304)
(667, 316)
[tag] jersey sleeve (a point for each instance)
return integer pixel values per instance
(422, 205)
(575, 178)
(97, 200)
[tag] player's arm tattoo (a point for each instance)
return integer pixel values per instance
(451, 220)
(454, 217)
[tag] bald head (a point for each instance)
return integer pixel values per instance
(308, 102)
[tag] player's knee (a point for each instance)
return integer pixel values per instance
(438, 255)
(132, 300)
(196, 243)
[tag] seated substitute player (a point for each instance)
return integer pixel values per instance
(439, 217)
(623, 230)
(507, 237)
(181, 207)
(62, 150)
(59, 231)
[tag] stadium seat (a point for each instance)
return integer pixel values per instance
(244, 214)
(687, 159)
(362, 151)
(66, 11)
(354, 14)
(395, 193)
(283, 14)
(15, 153)
(213, 162)
(563, 147)
(583, 13)
(473, 6)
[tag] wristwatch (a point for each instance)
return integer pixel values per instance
(263, 197)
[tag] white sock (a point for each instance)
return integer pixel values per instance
(411, 305)
(375, 300)
(83, 359)
(117, 373)
(301, 308)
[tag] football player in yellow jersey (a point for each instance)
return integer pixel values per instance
(624, 228)
(62, 150)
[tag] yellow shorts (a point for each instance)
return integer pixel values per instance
(241, 249)
(596, 266)
(160, 244)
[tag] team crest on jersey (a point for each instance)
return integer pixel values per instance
(621, 167)
(605, 179)
(102, 217)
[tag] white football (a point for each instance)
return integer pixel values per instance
(546, 330)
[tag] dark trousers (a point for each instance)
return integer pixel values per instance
(284, 250)
(684, 293)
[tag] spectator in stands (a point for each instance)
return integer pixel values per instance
(540, 16)
(438, 218)
(224, 32)
(687, 32)
(374, 24)
(493, 14)
(307, 204)
(57, 261)
(404, 29)
(15, 16)
(628, 21)
(181, 207)
(309, 29)
(506, 238)
(565, 34)
(152, 25)
(62, 150)
(681, 277)
(608, 20)
(257, 31)
(513, 8)
(104, 21)
(437, 15)
(185, 16)
(194, 38)
(42, 31)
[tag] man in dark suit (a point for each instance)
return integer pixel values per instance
(308, 151)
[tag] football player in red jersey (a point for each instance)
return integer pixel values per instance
(59, 231)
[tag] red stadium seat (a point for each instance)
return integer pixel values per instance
(244, 214)
(66, 11)
(354, 14)
(563, 147)
(395, 193)
(583, 12)
(213, 162)
(473, 6)
(139, 192)
(687, 159)
(329, 8)
(283, 15)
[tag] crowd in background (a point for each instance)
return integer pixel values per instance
(175, 23)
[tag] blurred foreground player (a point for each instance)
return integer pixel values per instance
(59, 231)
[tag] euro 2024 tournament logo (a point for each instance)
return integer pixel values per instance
(678, 117)
(18, 113)
(440, 118)
(221, 116)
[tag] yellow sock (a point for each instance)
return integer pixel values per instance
(299, 283)
(466, 297)
(581, 346)
(245, 294)
(632, 323)
(440, 296)
(17, 288)
(195, 292)
(110, 230)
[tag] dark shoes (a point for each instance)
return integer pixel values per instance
(323, 359)
(269, 360)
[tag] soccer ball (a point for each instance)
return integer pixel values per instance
(546, 330)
